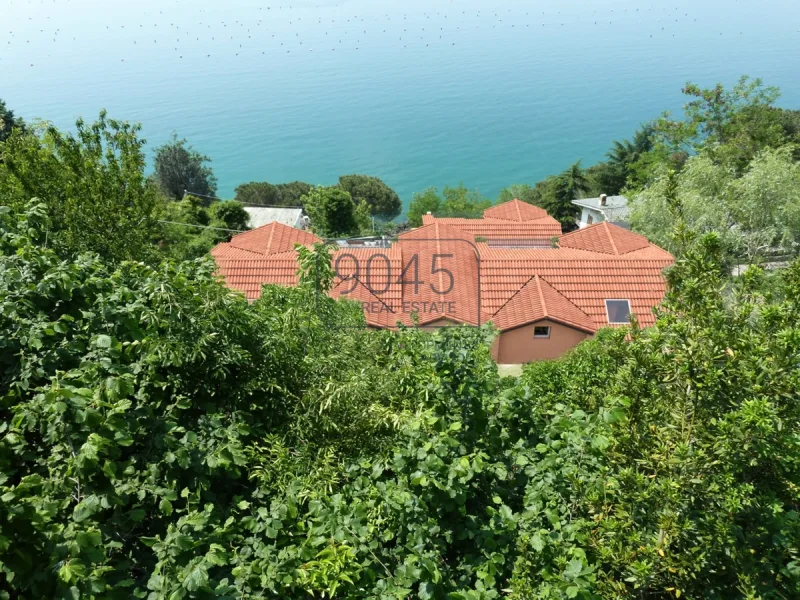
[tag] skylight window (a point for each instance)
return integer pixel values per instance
(619, 311)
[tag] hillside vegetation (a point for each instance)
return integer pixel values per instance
(162, 438)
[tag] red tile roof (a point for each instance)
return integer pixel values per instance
(606, 238)
(272, 239)
(438, 271)
(511, 223)
(515, 210)
(538, 300)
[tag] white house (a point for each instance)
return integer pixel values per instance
(613, 209)
(263, 215)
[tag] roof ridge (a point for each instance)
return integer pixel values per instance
(555, 289)
(369, 291)
(516, 205)
(269, 241)
(611, 238)
(541, 296)
(514, 295)
(438, 252)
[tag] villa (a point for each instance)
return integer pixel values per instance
(544, 292)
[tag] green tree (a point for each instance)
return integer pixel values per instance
(753, 213)
(611, 177)
(267, 194)
(8, 122)
(291, 194)
(732, 125)
(92, 183)
(382, 200)
(522, 192)
(566, 187)
(179, 168)
(258, 192)
(230, 214)
(456, 201)
(462, 202)
(333, 212)
(427, 201)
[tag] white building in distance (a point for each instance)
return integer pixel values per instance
(613, 209)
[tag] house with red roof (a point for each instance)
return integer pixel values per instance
(544, 292)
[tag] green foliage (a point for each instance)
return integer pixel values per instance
(92, 183)
(383, 201)
(230, 214)
(754, 212)
(333, 212)
(161, 437)
(734, 125)
(191, 228)
(671, 466)
(267, 194)
(454, 202)
(427, 201)
(8, 122)
(179, 168)
(522, 192)
(558, 193)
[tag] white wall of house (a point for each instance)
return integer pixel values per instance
(590, 216)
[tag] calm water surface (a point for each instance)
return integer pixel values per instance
(419, 93)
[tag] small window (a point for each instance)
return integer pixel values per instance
(541, 332)
(589, 220)
(619, 311)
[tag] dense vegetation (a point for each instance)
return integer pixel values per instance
(179, 169)
(380, 200)
(160, 437)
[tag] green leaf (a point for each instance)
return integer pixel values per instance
(86, 508)
(196, 578)
(165, 506)
(103, 341)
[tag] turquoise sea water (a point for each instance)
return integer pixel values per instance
(420, 93)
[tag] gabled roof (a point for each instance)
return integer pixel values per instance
(538, 300)
(509, 233)
(511, 286)
(510, 223)
(606, 238)
(272, 239)
(584, 277)
(515, 210)
(445, 260)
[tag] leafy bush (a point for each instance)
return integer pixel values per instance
(162, 438)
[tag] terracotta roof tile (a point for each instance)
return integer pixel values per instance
(538, 300)
(515, 210)
(604, 237)
(440, 267)
(272, 239)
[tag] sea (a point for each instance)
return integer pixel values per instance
(420, 93)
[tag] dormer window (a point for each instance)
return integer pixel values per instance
(619, 311)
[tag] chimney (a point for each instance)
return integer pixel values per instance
(603, 199)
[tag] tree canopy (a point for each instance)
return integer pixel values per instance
(334, 214)
(382, 200)
(162, 437)
(8, 122)
(179, 168)
(456, 201)
(281, 194)
(92, 184)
